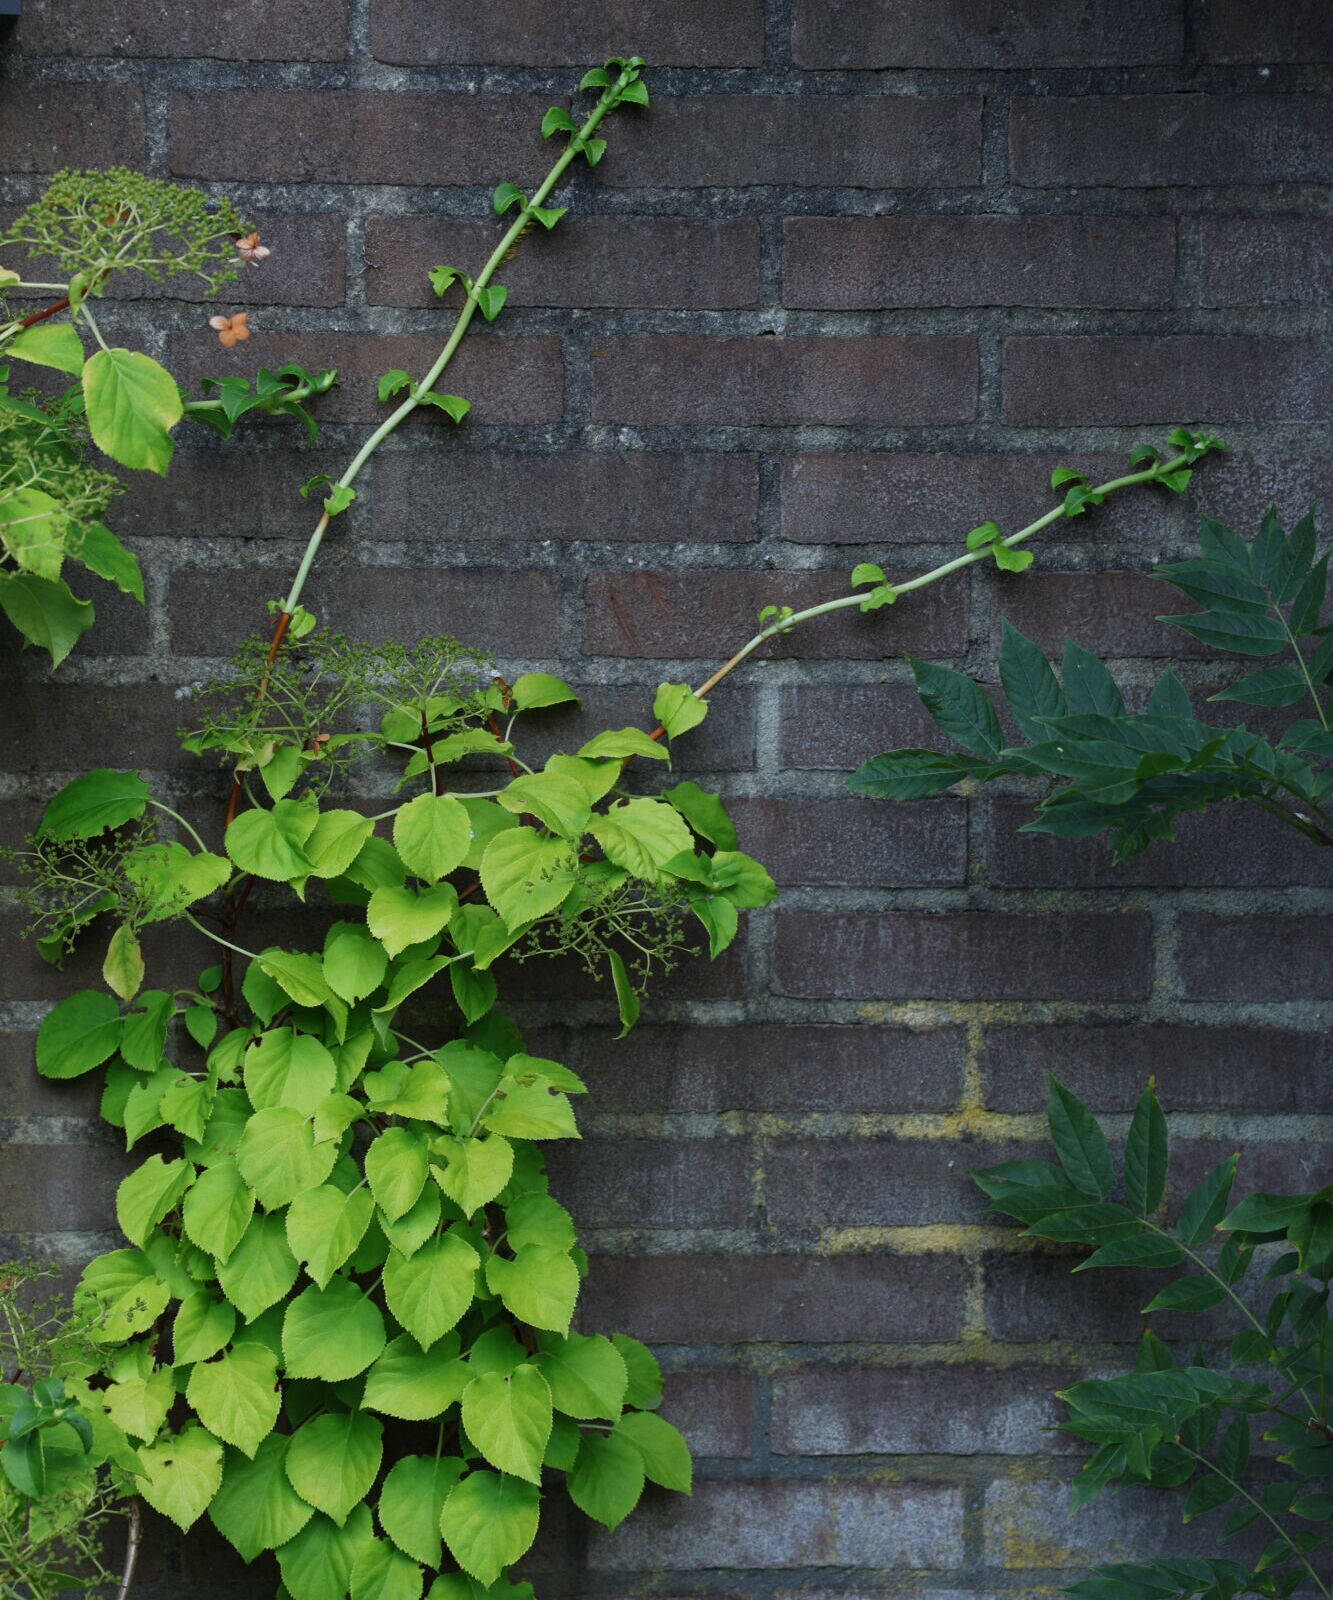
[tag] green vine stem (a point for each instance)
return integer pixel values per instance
(607, 101)
(1155, 473)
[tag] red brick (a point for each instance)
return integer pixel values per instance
(1231, 847)
(885, 1182)
(1235, 488)
(835, 727)
(1265, 261)
(840, 141)
(653, 1183)
(716, 1299)
(1255, 957)
(513, 382)
(893, 497)
(1151, 140)
(46, 126)
(633, 495)
(768, 1068)
(29, 1095)
(958, 34)
(586, 261)
(951, 1411)
(247, 30)
(375, 603)
(1242, 32)
(855, 841)
(50, 727)
(1206, 377)
(415, 137)
(58, 1188)
(694, 614)
(1109, 613)
(714, 1410)
(259, 499)
(970, 955)
(783, 1525)
(856, 263)
(684, 379)
(690, 33)
(1197, 1068)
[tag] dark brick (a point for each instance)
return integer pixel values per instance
(586, 261)
(1036, 1298)
(1267, 1166)
(492, 608)
(855, 263)
(769, 381)
(509, 381)
(1197, 1068)
(174, 957)
(954, 1411)
(840, 1299)
(119, 620)
(958, 34)
(263, 502)
(758, 1068)
(690, 33)
(855, 841)
(970, 955)
(1231, 846)
(1301, 31)
(735, 140)
(255, 30)
(885, 1182)
(653, 1183)
(563, 978)
(411, 136)
(49, 1188)
(1254, 957)
(834, 727)
(46, 126)
(18, 818)
(1138, 380)
(693, 614)
(65, 727)
(905, 498)
(1151, 140)
(29, 1095)
(1265, 261)
(714, 1410)
(630, 495)
(768, 1525)
(1235, 488)
(1109, 613)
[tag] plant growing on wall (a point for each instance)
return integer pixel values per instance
(342, 1328)
(1131, 774)
(94, 227)
(1180, 1420)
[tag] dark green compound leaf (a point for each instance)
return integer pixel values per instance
(1088, 686)
(1309, 600)
(1193, 1293)
(914, 774)
(1029, 681)
(1274, 686)
(1146, 1155)
(1206, 1204)
(959, 706)
(1079, 1142)
(1169, 698)
(1245, 633)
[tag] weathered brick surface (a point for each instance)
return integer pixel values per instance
(1141, 140)
(972, 955)
(664, 380)
(586, 261)
(263, 30)
(905, 498)
(667, 614)
(858, 280)
(1140, 380)
(693, 33)
(855, 263)
(733, 140)
(666, 496)
(971, 33)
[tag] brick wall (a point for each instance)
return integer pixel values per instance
(863, 274)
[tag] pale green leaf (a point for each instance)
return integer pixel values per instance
(331, 1333)
(432, 834)
(278, 1157)
(539, 1286)
(78, 1034)
(508, 1417)
(354, 961)
(49, 344)
(286, 1068)
(261, 1269)
(473, 1171)
(148, 1194)
(586, 1375)
(101, 799)
(324, 1227)
(45, 612)
(666, 1456)
(525, 875)
(607, 1478)
(236, 1397)
(402, 917)
(431, 1289)
(132, 404)
(333, 1461)
(256, 1509)
(217, 1210)
(203, 1326)
(383, 1573)
(317, 1564)
(415, 1384)
(412, 1500)
(489, 1521)
(181, 1474)
(396, 1169)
